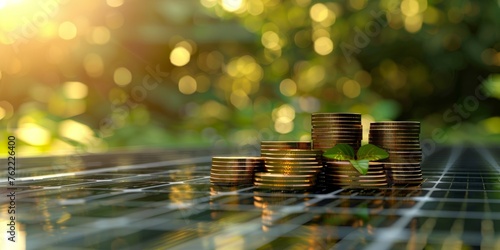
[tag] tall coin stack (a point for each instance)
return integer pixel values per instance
(289, 165)
(401, 139)
(235, 170)
(329, 129)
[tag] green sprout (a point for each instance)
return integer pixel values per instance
(361, 160)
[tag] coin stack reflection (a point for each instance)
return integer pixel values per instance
(401, 139)
(329, 129)
(235, 170)
(289, 165)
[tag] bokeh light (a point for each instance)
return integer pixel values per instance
(232, 5)
(318, 12)
(351, 89)
(100, 35)
(3, 112)
(75, 131)
(75, 90)
(33, 134)
(288, 87)
(180, 56)
(93, 64)
(323, 46)
(122, 76)
(187, 85)
(67, 30)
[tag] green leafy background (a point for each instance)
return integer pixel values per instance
(255, 70)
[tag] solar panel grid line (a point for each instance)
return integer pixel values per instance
(120, 181)
(256, 237)
(102, 225)
(31, 195)
(487, 226)
(74, 210)
(460, 200)
(125, 167)
(434, 214)
(71, 233)
(386, 238)
(196, 179)
(159, 226)
(489, 158)
(228, 236)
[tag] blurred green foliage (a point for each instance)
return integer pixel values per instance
(98, 75)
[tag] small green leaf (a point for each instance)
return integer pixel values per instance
(362, 212)
(341, 152)
(361, 165)
(371, 152)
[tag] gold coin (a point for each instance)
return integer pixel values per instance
(283, 187)
(281, 176)
(282, 181)
(339, 114)
(286, 144)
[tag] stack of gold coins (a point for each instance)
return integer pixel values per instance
(288, 157)
(290, 165)
(284, 181)
(343, 174)
(329, 129)
(293, 161)
(235, 170)
(401, 139)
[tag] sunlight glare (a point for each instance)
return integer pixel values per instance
(232, 5)
(6, 3)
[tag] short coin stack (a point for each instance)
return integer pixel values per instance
(289, 165)
(329, 129)
(343, 174)
(235, 170)
(401, 139)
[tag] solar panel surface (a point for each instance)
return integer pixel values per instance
(164, 200)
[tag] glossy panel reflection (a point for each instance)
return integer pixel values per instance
(168, 202)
